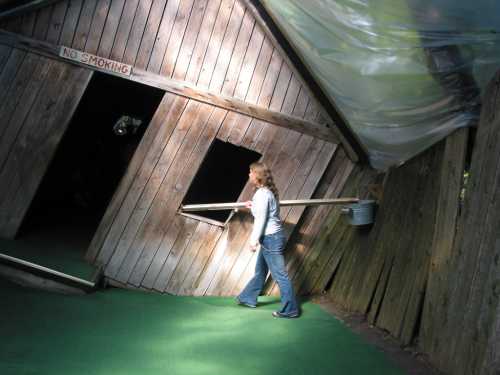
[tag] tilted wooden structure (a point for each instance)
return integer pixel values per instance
(427, 271)
(225, 78)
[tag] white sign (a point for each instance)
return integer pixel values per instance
(93, 60)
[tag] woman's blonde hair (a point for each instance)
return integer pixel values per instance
(264, 177)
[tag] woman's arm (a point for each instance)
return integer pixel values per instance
(260, 208)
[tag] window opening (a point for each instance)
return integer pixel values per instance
(220, 179)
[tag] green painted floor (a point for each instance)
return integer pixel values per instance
(60, 246)
(124, 332)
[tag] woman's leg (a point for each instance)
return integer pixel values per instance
(273, 246)
(254, 287)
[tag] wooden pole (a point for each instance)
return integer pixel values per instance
(236, 205)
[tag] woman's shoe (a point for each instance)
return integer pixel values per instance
(241, 303)
(277, 314)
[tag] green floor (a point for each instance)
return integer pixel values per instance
(59, 246)
(125, 332)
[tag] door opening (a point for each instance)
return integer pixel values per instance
(91, 158)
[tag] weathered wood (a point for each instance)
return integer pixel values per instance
(184, 89)
(9, 130)
(110, 28)
(35, 143)
(162, 281)
(187, 258)
(138, 26)
(221, 27)
(28, 24)
(178, 31)
(154, 181)
(97, 26)
(70, 22)
(84, 23)
(313, 255)
(435, 304)
(42, 23)
(147, 279)
(5, 52)
(199, 261)
(168, 196)
(56, 22)
(211, 25)
(10, 70)
(25, 8)
(192, 36)
(136, 176)
(164, 34)
(150, 33)
(183, 180)
(473, 291)
(125, 24)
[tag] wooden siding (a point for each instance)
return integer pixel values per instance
(142, 240)
(217, 46)
(37, 99)
(214, 44)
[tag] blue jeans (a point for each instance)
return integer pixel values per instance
(271, 258)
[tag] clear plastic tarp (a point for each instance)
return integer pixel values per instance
(404, 73)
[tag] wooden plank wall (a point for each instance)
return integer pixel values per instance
(384, 272)
(471, 340)
(37, 99)
(427, 271)
(143, 241)
(214, 44)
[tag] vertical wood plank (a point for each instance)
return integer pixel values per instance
(172, 191)
(70, 22)
(216, 79)
(42, 23)
(150, 33)
(57, 22)
(84, 24)
(178, 32)
(193, 31)
(9, 130)
(202, 78)
(164, 33)
(163, 185)
(138, 29)
(200, 257)
(151, 148)
(97, 26)
(36, 142)
(124, 30)
(202, 41)
(110, 28)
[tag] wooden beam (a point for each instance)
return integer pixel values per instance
(289, 203)
(355, 150)
(29, 6)
(183, 89)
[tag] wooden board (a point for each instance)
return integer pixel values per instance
(33, 132)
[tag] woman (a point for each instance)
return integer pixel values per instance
(268, 234)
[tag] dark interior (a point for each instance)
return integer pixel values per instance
(93, 154)
(221, 178)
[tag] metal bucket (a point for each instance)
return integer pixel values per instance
(361, 213)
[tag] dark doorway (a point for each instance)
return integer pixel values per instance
(92, 156)
(221, 178)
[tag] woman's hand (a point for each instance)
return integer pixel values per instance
(248, 204)
(254, 247)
